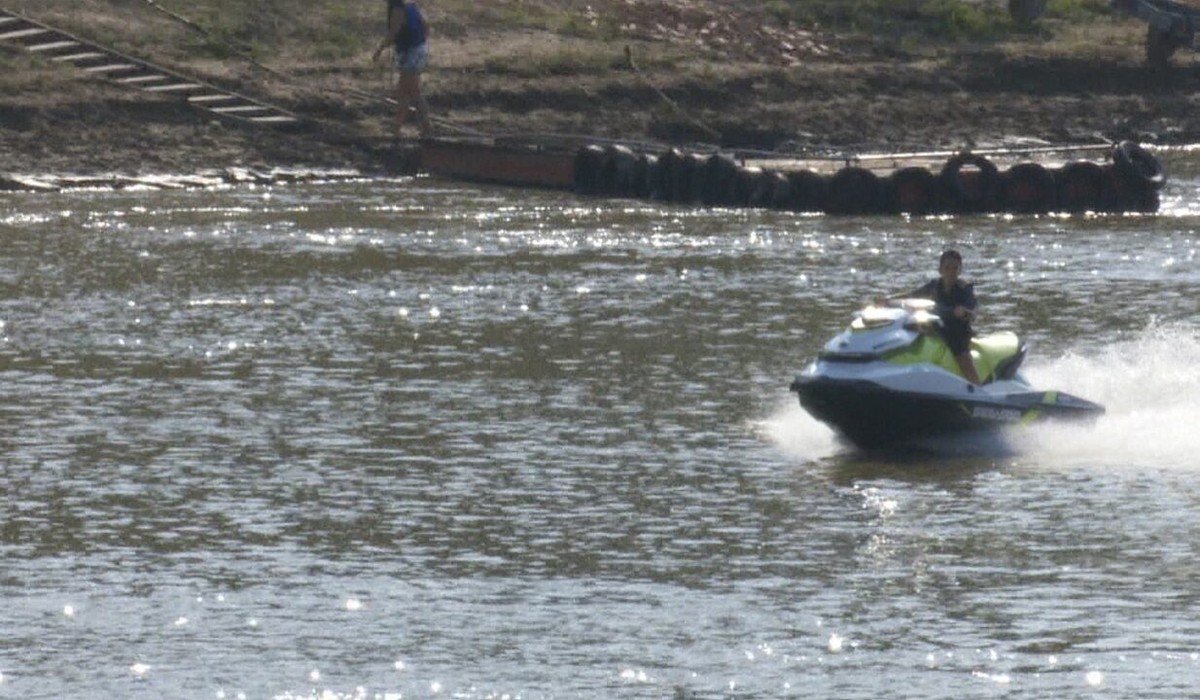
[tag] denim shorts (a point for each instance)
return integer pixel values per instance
(414, 59)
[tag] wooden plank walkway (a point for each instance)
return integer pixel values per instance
(58, 46)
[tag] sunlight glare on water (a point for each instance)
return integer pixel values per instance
(415, 439)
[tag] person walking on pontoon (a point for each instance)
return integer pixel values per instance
(406, 34)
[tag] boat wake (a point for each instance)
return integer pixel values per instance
(799, 435)
(1148, 384)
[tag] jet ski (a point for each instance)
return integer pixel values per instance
(890, 378)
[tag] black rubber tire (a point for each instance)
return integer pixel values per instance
(807, 190)
(1138, 166)
(967, 195)
(589, 160)
(1123, 195)
(663, 182)
(1080, 187)
(688, 178)
(646, 175)
(853, 190)
(912, 190)
(617, 171)
(781, 191)
(1028, 188)
(771, 190)
(745, 182)
(719, 173)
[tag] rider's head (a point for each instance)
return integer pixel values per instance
(950, 265)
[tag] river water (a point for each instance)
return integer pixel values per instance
(408, 438)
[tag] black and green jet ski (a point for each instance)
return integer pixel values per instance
(889, 378)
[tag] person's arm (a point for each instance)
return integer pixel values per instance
(395, 26)
(970, 302)
(925, 291)
(379, 49)
(967, 304)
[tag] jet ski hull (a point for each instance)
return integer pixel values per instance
(871, 415)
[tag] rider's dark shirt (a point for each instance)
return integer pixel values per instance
(956, 331)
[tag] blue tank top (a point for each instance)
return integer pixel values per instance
(413, 34)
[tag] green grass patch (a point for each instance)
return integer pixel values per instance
(909, 21)
(330, 29)
(1079, 10)
(955, 20)
(567, 61)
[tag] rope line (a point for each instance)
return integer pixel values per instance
(663, 96)
(240, 51)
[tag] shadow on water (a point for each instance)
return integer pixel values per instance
(946, 459)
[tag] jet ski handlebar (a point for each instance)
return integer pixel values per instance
(910, 305)
(914, 314)
(915, 306)
(923, 321)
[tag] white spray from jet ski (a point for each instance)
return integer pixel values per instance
(1150, 385)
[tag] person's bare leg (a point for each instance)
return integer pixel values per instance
(402, 102)
(422, 107)
(408, 95)
(967, 365)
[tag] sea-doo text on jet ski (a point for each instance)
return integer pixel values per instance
(890, 378)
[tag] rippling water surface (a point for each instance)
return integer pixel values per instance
(415, 439)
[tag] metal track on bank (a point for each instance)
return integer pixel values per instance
(59, 46)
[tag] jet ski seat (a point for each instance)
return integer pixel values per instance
(997, 356)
